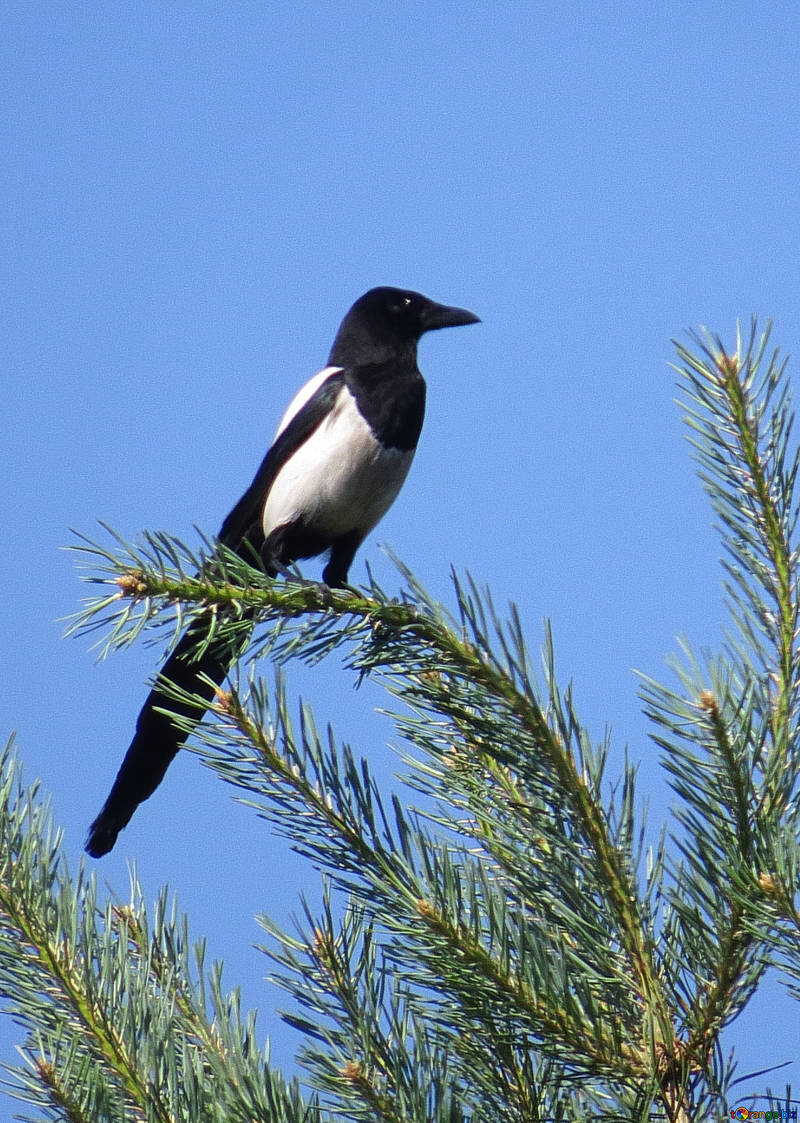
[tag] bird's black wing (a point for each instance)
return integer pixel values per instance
(244, 521)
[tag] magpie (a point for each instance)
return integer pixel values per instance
(340, 455)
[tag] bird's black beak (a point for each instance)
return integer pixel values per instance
(444, 316)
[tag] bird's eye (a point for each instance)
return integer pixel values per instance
(403, 303)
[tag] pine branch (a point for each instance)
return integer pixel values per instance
(730, 731)
(417, 633)
(116, 1030)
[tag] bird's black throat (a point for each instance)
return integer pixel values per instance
(391, 398)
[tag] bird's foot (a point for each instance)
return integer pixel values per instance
(293, 576)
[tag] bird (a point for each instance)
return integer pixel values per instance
(340, 455)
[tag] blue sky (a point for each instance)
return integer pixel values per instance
(193, 195)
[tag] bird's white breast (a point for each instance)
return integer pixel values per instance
(341, 479)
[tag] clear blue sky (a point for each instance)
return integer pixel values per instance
(193, 194)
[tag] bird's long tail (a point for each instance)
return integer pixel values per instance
(157, 738)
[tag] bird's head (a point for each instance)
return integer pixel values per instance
(386, 323)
